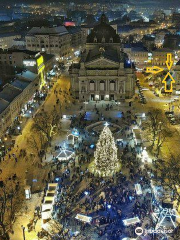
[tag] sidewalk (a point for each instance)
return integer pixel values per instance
(26, 213)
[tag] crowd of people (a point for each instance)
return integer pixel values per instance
(107, 200)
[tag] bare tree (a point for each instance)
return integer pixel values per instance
(9, 199)
(47, 124)
(162, 135)
(168, 174)
(158, 129)
(34, 144)
(152, 125)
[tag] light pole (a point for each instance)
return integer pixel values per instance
(85, 105)
(119, 103)
(23, 228)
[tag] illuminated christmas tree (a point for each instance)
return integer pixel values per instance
(106, 161)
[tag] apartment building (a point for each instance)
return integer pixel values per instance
(52, 40)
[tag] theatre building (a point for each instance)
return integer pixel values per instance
(104, 72)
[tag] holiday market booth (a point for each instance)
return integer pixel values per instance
(83, 218)
(137, 136)
(65, 155)
(138, 189)
(131, 221)
(72, 137)
(49, 200)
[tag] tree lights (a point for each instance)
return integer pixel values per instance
(106, 161)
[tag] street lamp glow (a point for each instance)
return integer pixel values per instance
(109, 206)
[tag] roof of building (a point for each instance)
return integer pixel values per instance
(3, 105)
(74, 65)
(47, 57)
(134, 45)
(61, 30)
(73, 30)
(139, 49)
(9, 34)
(103, 31)
(149, 37)
(9, 92)
(20, 84)
(107, 53)
(10, 51)
(163, 50)
(28, 75)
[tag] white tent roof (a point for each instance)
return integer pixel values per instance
(65, 154)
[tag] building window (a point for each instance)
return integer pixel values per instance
(83, 89)
(102, 85)
(112, 85)
(92, 86)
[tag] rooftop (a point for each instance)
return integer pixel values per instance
(9, 92)
(9, 34)
(73, 30)
(47, 57)
(48, 31)
(107, 53)
(103, 32)
(20, 84)
(139, 49)
(10, 51)
(163, 50)
(28, 75)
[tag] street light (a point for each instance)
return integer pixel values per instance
(119, 103)
(85, 105)
(23, 228)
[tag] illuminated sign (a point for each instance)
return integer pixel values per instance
(69, 24)
(40, 66)
(29, 63)
(40, 62)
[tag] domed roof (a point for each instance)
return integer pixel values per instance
(103, 32)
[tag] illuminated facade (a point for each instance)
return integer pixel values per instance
(14, 96)
(104, 72)
(55, 40)
(159, 56)
(138, 55)
(36, 64)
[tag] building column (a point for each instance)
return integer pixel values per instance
(97, 83)
(107, 85)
